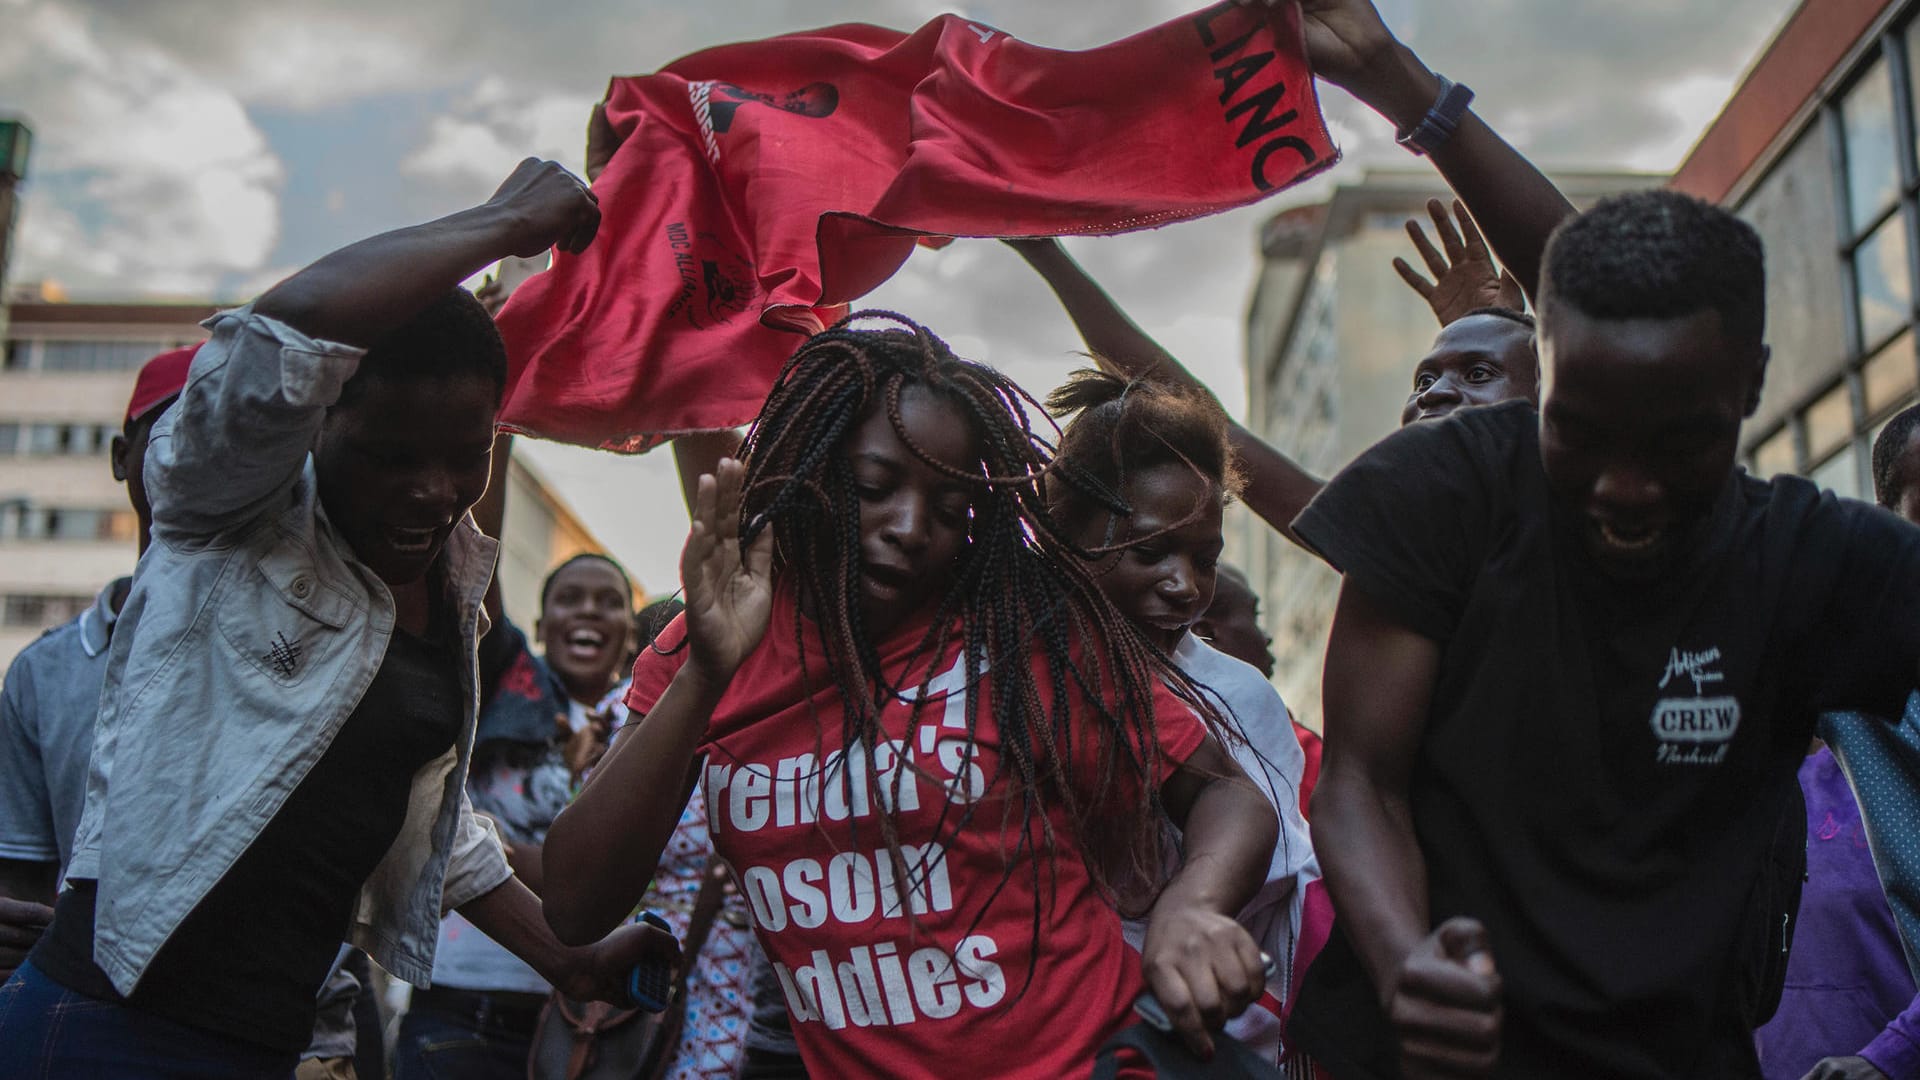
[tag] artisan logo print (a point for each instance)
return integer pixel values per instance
(1694, 666)
(284, 656)
(1694, 730)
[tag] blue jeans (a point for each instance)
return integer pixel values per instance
(434, 1045)
(48, 1032)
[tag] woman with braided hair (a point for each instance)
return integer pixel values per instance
(933, 752)
(1140, 483)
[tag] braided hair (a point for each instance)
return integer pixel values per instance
(1018, 591)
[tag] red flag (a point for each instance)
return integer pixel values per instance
(763, 186)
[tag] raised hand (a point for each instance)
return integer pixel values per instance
(549, 207)
(1464, 275)
(729, 592)
(1344, 37)
(1445, 1004)
(583, 749)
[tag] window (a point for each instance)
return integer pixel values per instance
(1841, 473)
(1828, 435)
(18, 354)
(97, 355)
(1884, 290)
(1775, 456)
(1867, 130)
(35, 611)
(43, 439)
(1829, 422)
(23, 520)
(1890, 376)
(47, 439)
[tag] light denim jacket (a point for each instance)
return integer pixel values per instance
(250, 634)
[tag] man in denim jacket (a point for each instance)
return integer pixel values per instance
(289, 708)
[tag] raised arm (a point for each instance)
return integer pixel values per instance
(602, 850)
(1516, 205)
(1277, 489)
(259, 390)
(1438, 989)
(362, 292)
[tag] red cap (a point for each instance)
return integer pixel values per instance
(161, 380)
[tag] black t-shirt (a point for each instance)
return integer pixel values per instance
(249, 960)
(1604, 767)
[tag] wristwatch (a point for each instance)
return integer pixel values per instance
(1440, 122)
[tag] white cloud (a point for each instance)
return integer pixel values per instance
(493, 128)
(145, 177)
(307, 57)
(1692, 102)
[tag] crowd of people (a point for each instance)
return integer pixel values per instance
(957, 754)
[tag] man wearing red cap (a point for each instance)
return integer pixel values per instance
(48, 704)
(47, 709)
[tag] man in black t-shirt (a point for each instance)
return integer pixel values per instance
(1576, 660)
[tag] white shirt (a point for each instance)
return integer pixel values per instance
(1272, 758)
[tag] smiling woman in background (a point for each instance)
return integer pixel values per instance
(543, 723)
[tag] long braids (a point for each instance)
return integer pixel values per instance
(1019, 587)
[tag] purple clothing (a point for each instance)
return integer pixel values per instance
(1848, 989)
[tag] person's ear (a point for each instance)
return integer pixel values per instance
(117, 455)
(537, 621)
(1759, 379)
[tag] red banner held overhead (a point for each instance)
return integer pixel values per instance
(761, 187)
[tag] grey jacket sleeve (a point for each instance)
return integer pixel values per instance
(236, 440)
(478, 864)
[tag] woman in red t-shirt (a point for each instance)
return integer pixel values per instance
(932, 752)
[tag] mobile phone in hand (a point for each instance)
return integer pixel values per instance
(650, 985)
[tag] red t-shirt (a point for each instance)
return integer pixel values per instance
(1310, 776)
(874, 990)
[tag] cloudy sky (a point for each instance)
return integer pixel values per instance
(208, 147)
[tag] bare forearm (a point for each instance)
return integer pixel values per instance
(364, 291)
(510, 914)
(1513, 202)
(1374, 870)
(602, 850)
(1277, 489)
(528, 866)
(1103, 326)
(1227, 844)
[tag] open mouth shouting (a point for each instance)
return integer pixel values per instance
(412, 541)
(1628, 541)
(585, 644)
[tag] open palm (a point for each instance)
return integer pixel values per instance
(729, 593)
